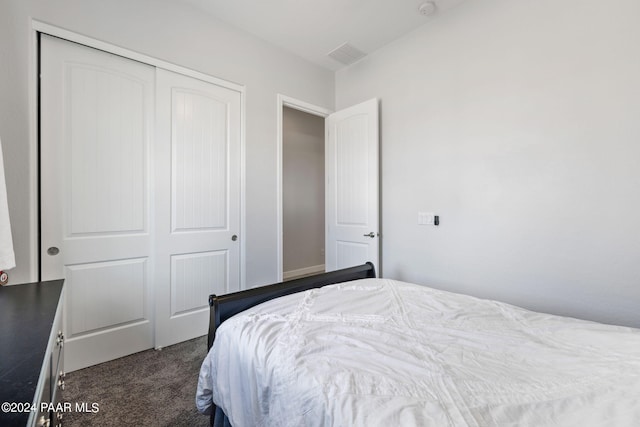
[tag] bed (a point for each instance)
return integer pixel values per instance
(347, 349)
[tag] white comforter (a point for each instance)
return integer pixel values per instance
(378, 352)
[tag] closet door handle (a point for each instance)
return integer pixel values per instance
(53, 251)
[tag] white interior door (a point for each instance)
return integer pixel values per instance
(352, 189)
(197, 202)
(96, 121)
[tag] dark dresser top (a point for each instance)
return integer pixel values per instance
(27, 313)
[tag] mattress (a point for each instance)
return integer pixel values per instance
(378, 352)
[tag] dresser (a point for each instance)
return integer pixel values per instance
(31, 354)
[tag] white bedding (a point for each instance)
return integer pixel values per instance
(378, 352)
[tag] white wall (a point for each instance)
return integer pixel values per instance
(518, 122)
(302, 190)
(176, 33)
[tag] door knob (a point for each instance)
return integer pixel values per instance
(372, 235)
(53, 251)
(234, 237)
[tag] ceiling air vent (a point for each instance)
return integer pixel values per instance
(346, 54)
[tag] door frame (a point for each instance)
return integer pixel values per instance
(296, 104)
(38, 27)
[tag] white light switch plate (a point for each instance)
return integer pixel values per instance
(426, 218)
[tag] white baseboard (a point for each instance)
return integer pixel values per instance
(303, 271)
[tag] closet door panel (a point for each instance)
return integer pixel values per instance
(96, 116)
(197, 247)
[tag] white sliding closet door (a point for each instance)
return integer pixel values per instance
(97, 113)
(140, 199)
(197, 202)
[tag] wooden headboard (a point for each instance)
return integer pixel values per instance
(224, 306)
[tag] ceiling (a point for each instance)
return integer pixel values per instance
(312, 29)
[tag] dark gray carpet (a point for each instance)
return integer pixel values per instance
(151, 388)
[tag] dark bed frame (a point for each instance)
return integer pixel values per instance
(223, 307)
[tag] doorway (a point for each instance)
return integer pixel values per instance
(303, 217)
(351, 185)
(301, 139)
